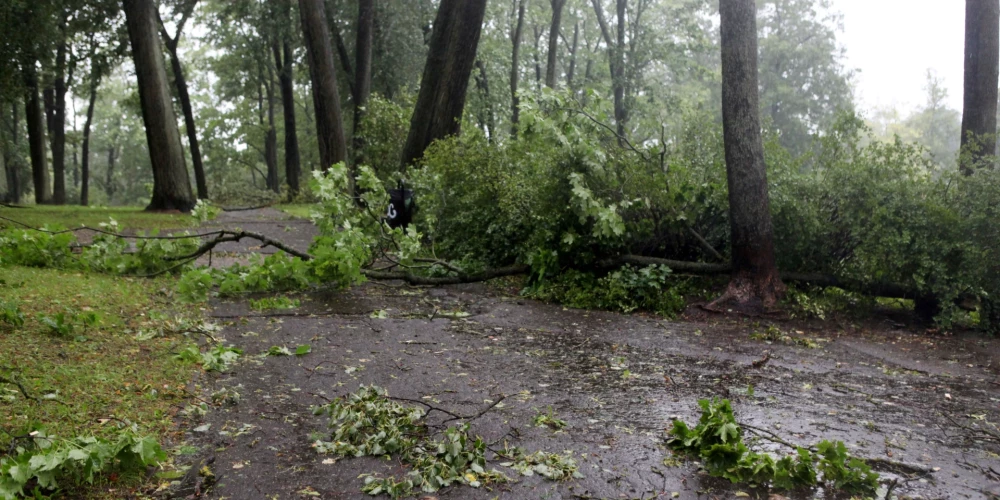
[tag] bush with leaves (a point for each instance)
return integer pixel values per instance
(627, 289)
(50, 464)
(717, 441)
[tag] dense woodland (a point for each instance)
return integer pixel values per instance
(567, 137)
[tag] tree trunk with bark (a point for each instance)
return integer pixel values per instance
(982, 66)
(35, 119)
(287, 82)
(445, 81)
(171, 184)
(85, 160)
(326, 97)
(180, 83)
(362, 73)
(109, 174)
(550, 68)
(572, 55)
(271, 138)
(616, 58)
(58, 130)
(515, 68)
(755, 283)
(12, 166)
(487, 119)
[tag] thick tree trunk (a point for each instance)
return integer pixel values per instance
(171, 184)
(189, 124)
(982, 66)
(85, 161)
(326, 97)
(58, 130)
(515, 68)
(286, 80)
(35, 119)
(362, 73)
(452, 54)
(550, 68)
(755, 283)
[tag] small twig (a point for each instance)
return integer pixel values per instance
(762, 361)
(15, 381)
(430, 407)
(483, 412)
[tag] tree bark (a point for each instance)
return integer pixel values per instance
(171, 184)
(572, 56)
(12, 170)
(35, 120)
(616, 59)
(488, 119)
(271, 139)
(515, 68)
(982, 65)
(85, 161)
(538, 65)
(109, 174)
(550, 68)
(326, 97)
(755, 283)
(362, 73)
(450, 59)
(58, 129)
(287, 82)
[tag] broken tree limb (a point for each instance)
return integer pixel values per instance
(414, 279)
(225, 235)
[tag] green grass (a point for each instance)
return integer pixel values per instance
(301, 210)
(74, 216)
(98, 376)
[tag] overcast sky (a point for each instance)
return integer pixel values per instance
(894, 42)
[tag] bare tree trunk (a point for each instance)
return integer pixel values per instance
(550, 68)
(109, 174)
(515, 68)
(572, 55)
(171, 184)
(755, 283)
(326, 97)
(452, 54)
(616, 58)
(58, 130)
(271, 139)
(488, 120)
(534, 55)
(85, 163)
(35, 119)
(345, 59)
(286, 79)
(12, 167)
(362, 73)
(982, 66)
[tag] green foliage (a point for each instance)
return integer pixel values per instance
(548, 419)
(626, 290)
(51, 464)
(24, 247)
(368, 423)
(717, 441)
(280, 302)
(10, 314)
(204, 211)
(219, 358)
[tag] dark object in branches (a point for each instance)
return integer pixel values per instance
(402, 206)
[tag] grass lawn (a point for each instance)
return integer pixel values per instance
(88, 380)
(70, 216)
(301, 210)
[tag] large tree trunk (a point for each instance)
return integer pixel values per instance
(58, 130)
(982, 65)
(35, 119)
(171, 184)
(85, 161)
(452, 54)
(755, 283)
(515, 68)
(362, 72)
(326, 97)
(287, 83)
(550, 68)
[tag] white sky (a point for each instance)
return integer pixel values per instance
(894, 42)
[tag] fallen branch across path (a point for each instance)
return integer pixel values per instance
(225, 235)
(415, 279)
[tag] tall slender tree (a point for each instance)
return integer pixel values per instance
(57, 130)
(34, 118)
(180, 83)
(326, 97)
(615, 41)
(515, 67)
(171, 184)
(982, 66)
(452, 55)
(550, 68)
(755, 283)
(283, 60)
(95, 81)
(362, 72)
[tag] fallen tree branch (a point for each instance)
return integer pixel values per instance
(235, 236)
(414, 279)
(14, 380)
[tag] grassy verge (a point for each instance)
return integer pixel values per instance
(73, 216)
(94, 377)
